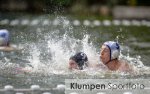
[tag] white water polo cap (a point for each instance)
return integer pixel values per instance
(114, 49)
(4, 37)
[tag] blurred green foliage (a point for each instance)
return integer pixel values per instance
(62, 2)
(81, 6)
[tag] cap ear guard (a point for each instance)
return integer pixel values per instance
(115, 54)
(114, 49)
(1, 41)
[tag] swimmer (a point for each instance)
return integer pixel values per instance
(5, 46)
(79, 61)
(109, 55)
(5, 42)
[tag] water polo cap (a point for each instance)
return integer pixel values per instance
(114, 49)
(4, 37)
(80, 58)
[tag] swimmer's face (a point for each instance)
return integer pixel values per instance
(104, 54)
(73, 64)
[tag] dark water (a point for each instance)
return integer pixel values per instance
(48, 47)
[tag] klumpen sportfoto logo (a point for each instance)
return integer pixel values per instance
(111, 85)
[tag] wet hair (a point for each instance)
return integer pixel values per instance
(80, 58)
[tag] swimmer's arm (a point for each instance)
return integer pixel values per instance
(130, 68)
(99, 65)
(9, 48)
(126, 67)
(24, 70)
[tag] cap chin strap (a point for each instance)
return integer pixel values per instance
(110, 61)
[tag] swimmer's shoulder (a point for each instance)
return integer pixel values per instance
(100, 66)
(10, 48)
(125, 66)
(24, 70)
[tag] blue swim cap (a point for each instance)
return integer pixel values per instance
(114, 49)
(4, 37)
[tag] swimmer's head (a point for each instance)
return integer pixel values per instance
(110, 51)
(4, 37)
(80, 59)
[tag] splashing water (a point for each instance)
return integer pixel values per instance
(50, 53)
(59, 49)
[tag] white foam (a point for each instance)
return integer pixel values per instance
(56, 22)
(60, 47)
(35, 58)
(66, 22)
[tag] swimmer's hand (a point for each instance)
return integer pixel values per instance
(24, 70)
